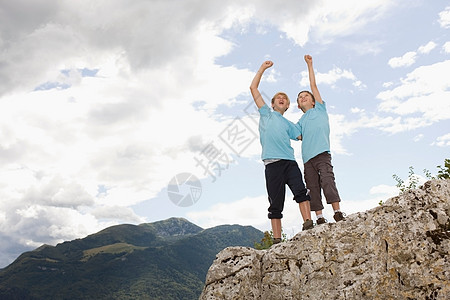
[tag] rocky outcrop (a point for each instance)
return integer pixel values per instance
(398, 250)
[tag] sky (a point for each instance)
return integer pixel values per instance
(115, 112)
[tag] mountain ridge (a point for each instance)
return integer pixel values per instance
(166, 259)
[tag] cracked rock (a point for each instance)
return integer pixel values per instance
(395, 251)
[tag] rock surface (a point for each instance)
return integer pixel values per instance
(398, 250)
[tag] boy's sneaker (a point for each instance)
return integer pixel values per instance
(321, 221)
(308, 225)
(339, 216)
(276, 241)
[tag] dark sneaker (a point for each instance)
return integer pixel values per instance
(339, 216)
(308, 225)
(321, 221)
(276, 241)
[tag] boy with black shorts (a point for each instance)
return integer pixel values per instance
(278, 156)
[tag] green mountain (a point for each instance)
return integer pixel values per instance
(163, 260)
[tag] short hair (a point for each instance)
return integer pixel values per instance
(280, 93)
(283, 94)
(314, 99)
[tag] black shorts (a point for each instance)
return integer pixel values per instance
(278, 174)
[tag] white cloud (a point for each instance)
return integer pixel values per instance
(339, 128)
(351, 207)
(403, 61)
(247, 211)
(326, 20)
(442, 141)
(373, 120)
(425, 49)
(117, 213)
(129, 129)
(426, 84)
(418, 138)
(446, 47)
(411, 57)
(367, 47)
(58, 192)
(359, 85)
(39, 224)
(331, 77)
(271, 76)
(83, 34)
(384, 191)
(356, 110)
(444, 18)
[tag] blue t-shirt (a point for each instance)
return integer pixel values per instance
(275, 133)
(314, 126)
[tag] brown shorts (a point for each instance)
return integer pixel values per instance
(319, 177)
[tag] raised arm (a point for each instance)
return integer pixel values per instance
(312, 79)
(255, 83)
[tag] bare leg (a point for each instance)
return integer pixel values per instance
(305, 210)
(276, 228)
(335, 206)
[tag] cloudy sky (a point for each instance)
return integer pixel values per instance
(121, 111)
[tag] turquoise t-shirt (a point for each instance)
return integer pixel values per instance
(314, 126)
(275, 133)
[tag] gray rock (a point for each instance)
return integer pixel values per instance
(398, 250)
